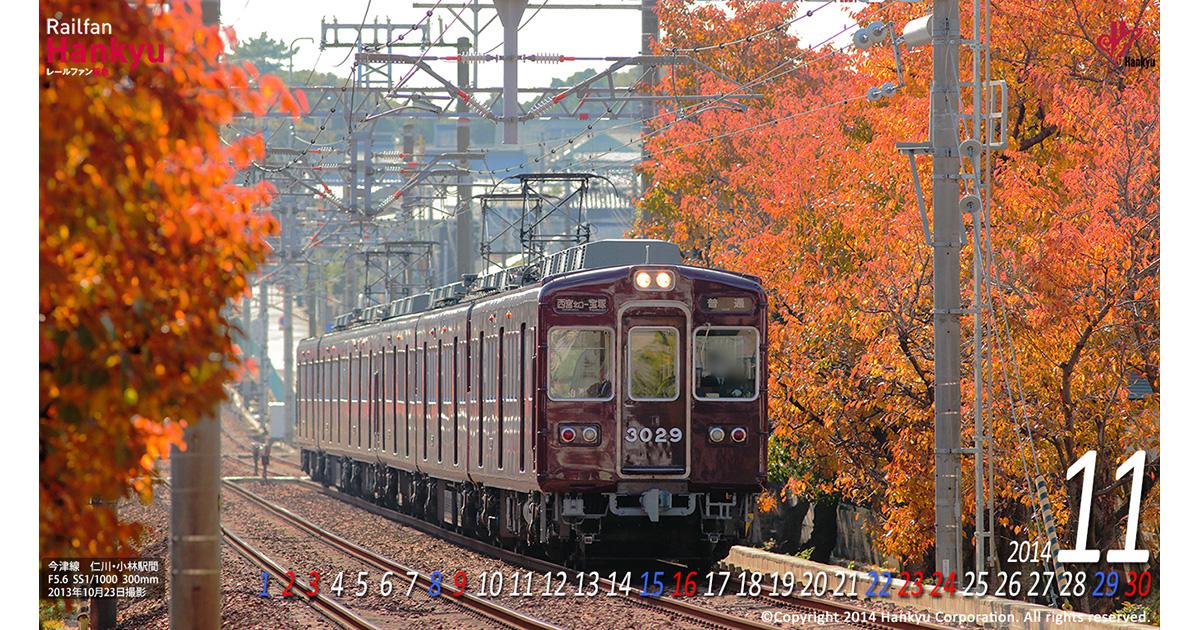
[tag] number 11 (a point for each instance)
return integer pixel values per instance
(1087, 463)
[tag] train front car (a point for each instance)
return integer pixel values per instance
(653, 404)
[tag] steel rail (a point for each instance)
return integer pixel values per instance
(482, 607)
(328, 608)
(671, 605)
(675, 607)
(323, 605)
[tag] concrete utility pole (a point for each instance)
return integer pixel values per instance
(195, 528)
(247, 322)
(947, 248)
(465, 249)
(264, 324)
(310, 300)
(649, 36)
(287, 234)
(195, 601)
(510, 12)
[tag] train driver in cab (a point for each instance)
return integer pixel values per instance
(579, 367)
(590, 378)
(723, 369)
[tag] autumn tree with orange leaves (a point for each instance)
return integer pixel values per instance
(806, 190)
(144, 239)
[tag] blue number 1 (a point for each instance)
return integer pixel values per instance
(266, 577)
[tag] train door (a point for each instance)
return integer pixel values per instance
(654, 410)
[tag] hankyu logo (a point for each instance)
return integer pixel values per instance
(72, 48)
(1117, 43)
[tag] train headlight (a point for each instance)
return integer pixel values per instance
(642, 279)
(664, 280)
(567, 434)
(738, 435)
(654, 280)
(716, 434)
(591, 435)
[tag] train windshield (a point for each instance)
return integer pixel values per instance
(653, 363)
(580, 367)
(726, 363)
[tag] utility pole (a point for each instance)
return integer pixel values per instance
(465, 249)
(264, 324)
(310, 301)
(510, 12)
(195, 528)
(247, 322)
(650, 75)
(287, 234)
(947, 248)
(195, 601)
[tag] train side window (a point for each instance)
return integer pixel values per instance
(315, 395)
(355, 396)
(322, 394)
(726, 363)
(424, 359)
(500, 402)
(407, 399)
(359, 397)
(307, 398)
(341, 395)
(377, 437)
(580, 366)
(298, 409)
(479, 397)
(454, 395)
(303, 402)
(521, 395)
(441, 396)
(395, 399)
(653, 363)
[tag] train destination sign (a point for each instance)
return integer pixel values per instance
(727, 304)
(581, 305)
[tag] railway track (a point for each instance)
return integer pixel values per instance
(475, 605)
(859, 616)
(325, 606)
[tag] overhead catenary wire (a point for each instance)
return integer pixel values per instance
(591, 126)
(351, 124)
(775, 73)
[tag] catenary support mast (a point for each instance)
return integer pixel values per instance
(947, 248)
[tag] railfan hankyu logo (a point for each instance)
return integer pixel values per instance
(1117, 43)
(79, 47)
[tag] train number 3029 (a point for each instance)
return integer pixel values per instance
(659, 435)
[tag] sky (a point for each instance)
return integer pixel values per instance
(580, 33)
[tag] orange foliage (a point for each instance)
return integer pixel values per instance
(807, 190)
(143, 241)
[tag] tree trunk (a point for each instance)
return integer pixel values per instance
(824, 534)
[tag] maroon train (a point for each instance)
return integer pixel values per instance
(609, 403)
